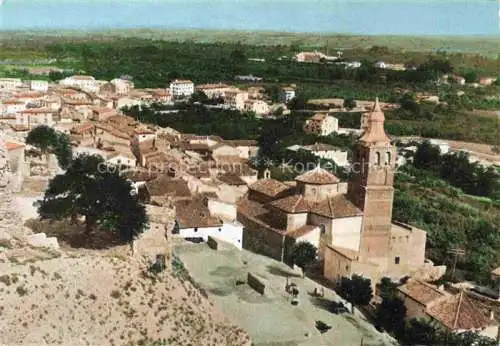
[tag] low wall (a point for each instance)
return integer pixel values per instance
(212, 243)
(256, 283)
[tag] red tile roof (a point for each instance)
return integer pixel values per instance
(335, 207)
(459, 312)
(13, 146)
(292, 204)
(269, 187)
(318, 176)
(421, 292)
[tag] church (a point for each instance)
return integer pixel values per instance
(350, 223)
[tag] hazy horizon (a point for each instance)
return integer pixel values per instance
(364, 17)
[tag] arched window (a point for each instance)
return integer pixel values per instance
(388, 158)
(377, 158)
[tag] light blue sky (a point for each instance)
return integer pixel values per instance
(407, 17)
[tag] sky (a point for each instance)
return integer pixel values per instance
(380, 17)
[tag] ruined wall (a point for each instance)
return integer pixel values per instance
(10, 220)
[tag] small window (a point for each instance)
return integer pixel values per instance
(322, 229)
(377, 158)
(220, 229)
(388, 158)
(396, 260)
(196, 229)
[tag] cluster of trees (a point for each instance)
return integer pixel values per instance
(94, 190)
(196, 118)
(50, 141)
(456, 169)
(451, 220)
(439, 121)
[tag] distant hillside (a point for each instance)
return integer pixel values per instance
(484, 45)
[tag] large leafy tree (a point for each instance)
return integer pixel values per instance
(304, 254)
(357, 290)
(96, 191)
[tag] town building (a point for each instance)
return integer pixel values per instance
(181, 88)
(456, 312)
(287, 94)
(213, 91)
(33, 117)
(87, 83)
(487, 81)
(321, 124)
(235, 98)
(194, 220)
(314, 57)
(122, 86)
(259, 107)
(324, 151)
(10, 83)
(39, 85)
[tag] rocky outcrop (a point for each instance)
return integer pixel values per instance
(10, 220)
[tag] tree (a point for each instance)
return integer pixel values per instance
(238, 56)
(49, 140)
(42, 137)
(357, 290)
(199, 96)
(304, 254)
(63, 150)
(387, 288)
(391, 313)
(471, 77)
(96, 191)
(299, 102)
(420, 332)
(427, 156)
(273, 91)
(350, 103)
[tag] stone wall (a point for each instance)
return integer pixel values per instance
(260, 239)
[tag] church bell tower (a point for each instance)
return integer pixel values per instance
(371, 185)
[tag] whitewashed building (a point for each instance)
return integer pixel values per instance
(87, 83)
(39, 85)
(181, 88)
(10, 83)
